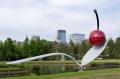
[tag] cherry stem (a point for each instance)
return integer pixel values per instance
(97, 18)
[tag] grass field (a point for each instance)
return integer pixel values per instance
(113, 73)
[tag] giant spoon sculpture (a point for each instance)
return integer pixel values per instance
(98, 42)
(96, 38)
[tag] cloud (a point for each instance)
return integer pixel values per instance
(76, 2)
(19, 18)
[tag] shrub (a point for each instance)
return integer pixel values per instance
(36, 69)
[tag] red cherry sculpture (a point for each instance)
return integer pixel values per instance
(97, 37)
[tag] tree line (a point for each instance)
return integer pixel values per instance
(12, 50)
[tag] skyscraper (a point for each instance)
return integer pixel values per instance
(77, 38)
(35, 37)
(61, 36)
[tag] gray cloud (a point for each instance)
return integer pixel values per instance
(19, 18)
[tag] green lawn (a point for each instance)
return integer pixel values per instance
(113, 73)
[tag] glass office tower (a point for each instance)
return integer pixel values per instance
(61, 36)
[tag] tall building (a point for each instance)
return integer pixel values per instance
(61, 36)
(35, 37)
(77, 38)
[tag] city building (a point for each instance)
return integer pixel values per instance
(35, 37)
(77, 38)
(61, 36)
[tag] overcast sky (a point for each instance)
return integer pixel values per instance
(21, 18)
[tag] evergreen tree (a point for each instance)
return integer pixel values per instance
(109, 51)
(1, 51)
(71, 48)
(117, 48)
(9, 50)
(26, 48)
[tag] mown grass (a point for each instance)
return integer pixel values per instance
(113, 73)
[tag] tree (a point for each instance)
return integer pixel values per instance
(117, 48)
(1, 51)
(110, 50)
(70, 49)
(9, 50)
(26, 48)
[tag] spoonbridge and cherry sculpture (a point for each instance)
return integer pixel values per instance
(97, 39)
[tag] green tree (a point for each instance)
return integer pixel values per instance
(26, 48)
(109, 51)
(117, 48)
(1, 51)
(70, 49)
(9, 50)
